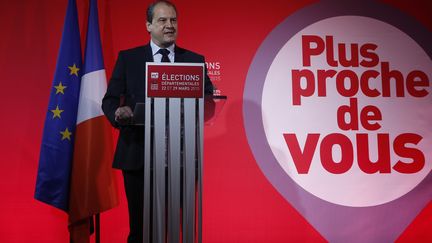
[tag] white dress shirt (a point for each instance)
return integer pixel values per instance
(157, 57)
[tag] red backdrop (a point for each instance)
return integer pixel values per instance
(240, 205)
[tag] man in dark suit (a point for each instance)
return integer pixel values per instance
(127, 87)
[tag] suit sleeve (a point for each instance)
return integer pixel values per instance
(208, 85)
(209, 104)
(116, 89)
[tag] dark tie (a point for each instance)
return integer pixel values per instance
(164, 53)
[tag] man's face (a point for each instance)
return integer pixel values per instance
(163, 28)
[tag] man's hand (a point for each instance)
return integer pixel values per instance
(123, 115)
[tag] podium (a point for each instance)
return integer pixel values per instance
(173, 152)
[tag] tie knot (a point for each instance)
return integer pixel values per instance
(164, 53)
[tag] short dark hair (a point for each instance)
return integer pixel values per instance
(150, 9)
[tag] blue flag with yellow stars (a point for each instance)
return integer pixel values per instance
(52, 184)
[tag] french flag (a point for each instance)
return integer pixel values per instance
(93, 186)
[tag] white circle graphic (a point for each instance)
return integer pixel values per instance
(311, 117)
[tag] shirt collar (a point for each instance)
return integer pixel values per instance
(155, 48)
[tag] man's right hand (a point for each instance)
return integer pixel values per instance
(123, 115)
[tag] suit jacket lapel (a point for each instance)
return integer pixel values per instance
(148, 54)
(178, 57)
(145, 55)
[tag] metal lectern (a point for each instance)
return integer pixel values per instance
(173, 157)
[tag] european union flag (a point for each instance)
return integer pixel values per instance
(52, 185)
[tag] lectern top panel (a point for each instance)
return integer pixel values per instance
(175, 80)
